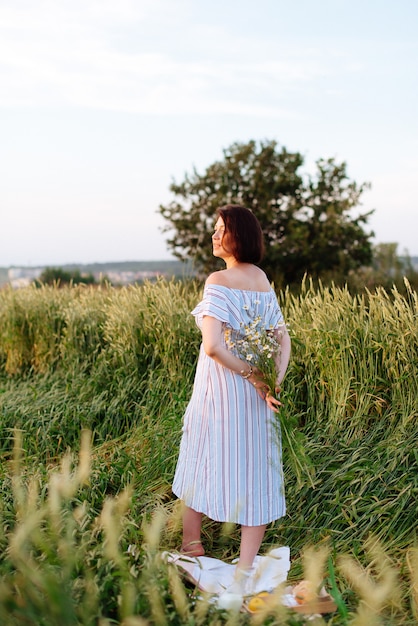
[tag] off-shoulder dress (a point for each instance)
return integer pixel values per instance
(230, 465)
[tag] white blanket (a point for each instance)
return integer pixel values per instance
(213, 575)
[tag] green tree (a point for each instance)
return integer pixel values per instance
(388, 270)
(56, 275)
(306, 220)
(387, 262)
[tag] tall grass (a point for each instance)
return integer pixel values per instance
(357, 358)
(113, 357)
(120, 363)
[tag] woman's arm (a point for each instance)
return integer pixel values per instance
(282, 359)
(213, 345)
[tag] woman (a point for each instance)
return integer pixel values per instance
(229, 467)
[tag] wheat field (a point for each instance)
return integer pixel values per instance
(93, 386)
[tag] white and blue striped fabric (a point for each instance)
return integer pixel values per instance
(230, 465)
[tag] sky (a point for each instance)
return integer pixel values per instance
(103, 103)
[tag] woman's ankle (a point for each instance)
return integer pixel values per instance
(243, 569)
(192, 548)
(238, 587)
(242, 574)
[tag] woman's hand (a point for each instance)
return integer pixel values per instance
(257, 379)
(263, 390)
(273, 401)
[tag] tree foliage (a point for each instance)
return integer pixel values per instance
(307, 220)
(59, 276)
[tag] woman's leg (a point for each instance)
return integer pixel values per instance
(192, 524)
(251, 538)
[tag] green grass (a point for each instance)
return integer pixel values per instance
(119, 364)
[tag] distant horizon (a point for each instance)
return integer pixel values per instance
(129, 261)
(82, 263)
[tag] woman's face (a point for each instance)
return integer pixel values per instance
(220, 240)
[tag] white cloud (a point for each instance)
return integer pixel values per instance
(67, 54)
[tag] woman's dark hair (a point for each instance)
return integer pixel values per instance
(245, 237)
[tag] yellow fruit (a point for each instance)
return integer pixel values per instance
(258, 602)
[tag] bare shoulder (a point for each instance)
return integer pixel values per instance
(245, 277)
(253, 278)
(217, 278)
(261, 276)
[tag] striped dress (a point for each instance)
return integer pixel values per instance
(229, 465)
